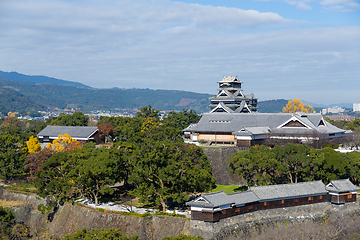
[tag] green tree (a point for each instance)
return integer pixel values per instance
(88, 170)
(53, 177)
(257, 166)
(163, 170)
(99, 234)
(181, 120)
(295, 159)
(12, 156)
(126, 128)
(147, 112)
(75, 119)
(96, 169)
(336, 165)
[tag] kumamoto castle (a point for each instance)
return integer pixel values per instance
(234, 121)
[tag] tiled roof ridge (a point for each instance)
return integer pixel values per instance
(212, 193)
(338, 180)
(283, 184)
(280, 113)
(234, 193)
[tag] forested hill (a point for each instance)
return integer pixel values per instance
(38, 79)
(64, 96)
(272, 106)
(53, 95)
(11, 100)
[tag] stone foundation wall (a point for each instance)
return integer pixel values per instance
(70, 218)
(219, 159)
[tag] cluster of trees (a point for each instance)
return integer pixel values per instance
(156, 170)
(148, 156)
(13, 149)
(293, 163)
(147, 125)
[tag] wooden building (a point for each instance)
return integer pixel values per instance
(231, 99)
(342, 191)
(234, 120)
(213, 207)
(80, 133)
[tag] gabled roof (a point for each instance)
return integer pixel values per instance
(253, 131)
(76, 132)
(343, 185)
(221, 105)
(227, 79)
(217, 199)
(211, 122)
(270, 192)
(212, 200)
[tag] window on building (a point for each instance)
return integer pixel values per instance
(310, 198)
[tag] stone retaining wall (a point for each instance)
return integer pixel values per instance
(70, 218)
(219, 159)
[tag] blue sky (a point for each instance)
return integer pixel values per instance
(308, 49)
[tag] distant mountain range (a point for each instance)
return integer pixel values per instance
(25, 93)
(53, 92)
(38, 79)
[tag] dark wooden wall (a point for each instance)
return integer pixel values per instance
(255, 206)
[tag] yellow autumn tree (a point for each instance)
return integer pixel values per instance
(297, 105)
(60, 143)
(33, 145)
(149, 124)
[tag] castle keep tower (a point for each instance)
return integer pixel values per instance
(230, 98)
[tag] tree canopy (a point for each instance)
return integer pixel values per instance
(297, 105)
(75, 119)
(12, 156)
(163, 170)
(294, 163)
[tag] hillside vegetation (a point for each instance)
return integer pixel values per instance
(52, 92)
(11, 100)
(62, 96)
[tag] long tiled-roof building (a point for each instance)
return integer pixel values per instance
(234, 120)
(213, 207)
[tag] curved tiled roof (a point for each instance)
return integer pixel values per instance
(213, 122)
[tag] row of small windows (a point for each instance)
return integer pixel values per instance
(219, 121)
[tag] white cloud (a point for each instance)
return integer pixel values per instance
(334, 5)
(173, 45)
(303, 6)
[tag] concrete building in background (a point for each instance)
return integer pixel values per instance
(335, 109)
(356, 107)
